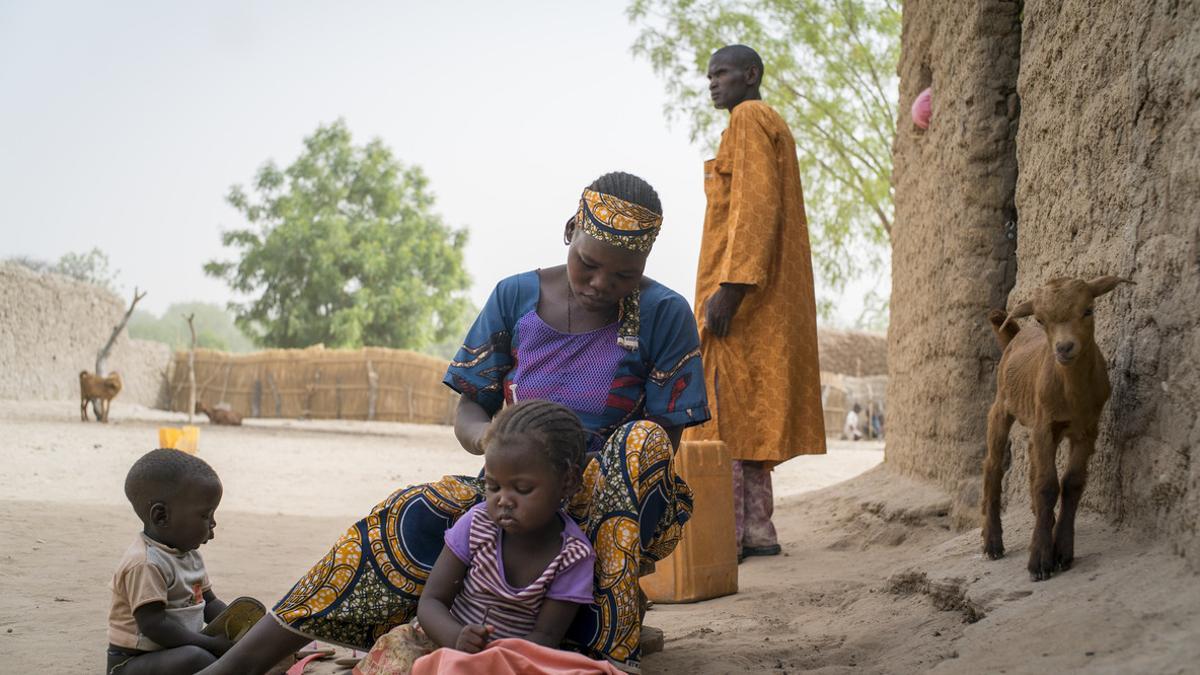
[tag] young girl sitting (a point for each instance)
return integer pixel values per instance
(515, 565)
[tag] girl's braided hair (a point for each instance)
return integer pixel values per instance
(555, 428)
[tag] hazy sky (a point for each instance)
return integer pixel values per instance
(126, 123)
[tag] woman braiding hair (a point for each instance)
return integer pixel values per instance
(595, 335)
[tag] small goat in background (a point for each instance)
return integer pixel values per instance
(1052, 379)
(219, 415)
(94, 386)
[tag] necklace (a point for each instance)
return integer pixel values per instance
(570, 296)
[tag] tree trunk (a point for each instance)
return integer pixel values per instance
(191, 408)
(372, 389)
(102, 356)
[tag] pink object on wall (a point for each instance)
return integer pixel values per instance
(922, 108)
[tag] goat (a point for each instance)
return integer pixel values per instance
(220, 415)
(97, 387)
(1053, 379)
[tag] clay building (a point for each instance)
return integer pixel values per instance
(1065, 141)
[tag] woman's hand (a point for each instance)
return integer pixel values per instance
(471, 423)
(472, 638)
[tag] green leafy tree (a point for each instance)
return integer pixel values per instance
(343, 248)
(91, 267)
(830, 71)
(215, 328)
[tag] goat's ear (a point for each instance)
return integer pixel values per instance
(1019, 312)
(1102, 285)
(1022, 310)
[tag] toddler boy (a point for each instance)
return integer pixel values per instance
(162, 596)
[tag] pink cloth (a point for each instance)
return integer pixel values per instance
(922, 108)
(511, 656)
(298, 667)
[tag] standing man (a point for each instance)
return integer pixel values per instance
(754, 299)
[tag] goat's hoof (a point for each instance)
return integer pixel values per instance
(993, 542)
(1041, 567)
(1040, 572)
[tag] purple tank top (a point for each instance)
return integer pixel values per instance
(574, 369)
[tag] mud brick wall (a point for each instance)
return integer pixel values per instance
(51, 327)
(1106, 164)
(951, 258)
(1109, 156)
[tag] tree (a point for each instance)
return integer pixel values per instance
(343, 248)
(830, 71)
(215, 328)
(91, 267)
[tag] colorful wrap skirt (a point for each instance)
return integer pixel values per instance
(632, 506)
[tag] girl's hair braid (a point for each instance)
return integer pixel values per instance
(556, 429)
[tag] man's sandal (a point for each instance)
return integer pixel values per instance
(748, 551)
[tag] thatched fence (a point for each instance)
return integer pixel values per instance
(373, 383)
(376, 383)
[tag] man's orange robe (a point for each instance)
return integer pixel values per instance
(763, 377)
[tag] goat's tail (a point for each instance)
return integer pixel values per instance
(1005, 330)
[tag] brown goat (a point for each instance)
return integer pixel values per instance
(96, 387)
(1053, 379)
(220, 415)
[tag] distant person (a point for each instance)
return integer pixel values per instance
(851, 429)
(877, 424)
(162, 596)
(754, 299)
(596, 335)
(515, 565)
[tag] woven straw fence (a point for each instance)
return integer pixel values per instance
(373, 383)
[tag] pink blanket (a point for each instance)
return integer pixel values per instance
(512, 656)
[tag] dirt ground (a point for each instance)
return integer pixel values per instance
(873, 580)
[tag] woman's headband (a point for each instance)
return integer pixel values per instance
(618, 222)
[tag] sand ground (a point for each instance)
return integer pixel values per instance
(872, 578)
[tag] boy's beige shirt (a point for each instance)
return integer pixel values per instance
(151, 572)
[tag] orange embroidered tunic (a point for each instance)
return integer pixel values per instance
(763, 377)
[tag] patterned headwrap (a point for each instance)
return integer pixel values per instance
(615, 221)
(618, 222)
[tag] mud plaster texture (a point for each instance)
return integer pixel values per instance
(51, 327)
(1108, 152)
(1109, 156)
(951, 259)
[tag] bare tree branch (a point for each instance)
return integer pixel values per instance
(102, 355)
(191, 409)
